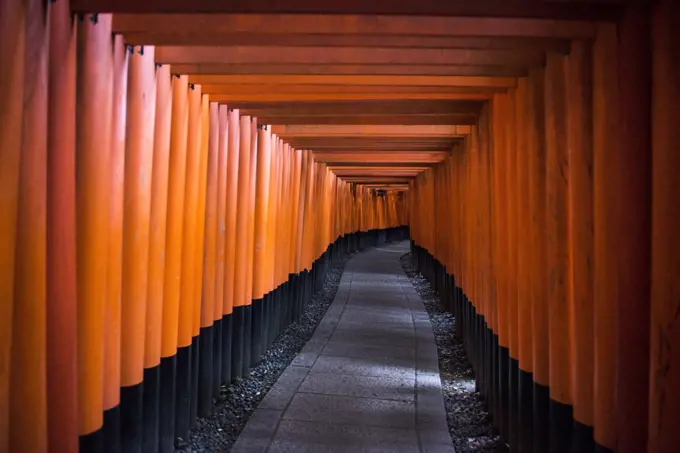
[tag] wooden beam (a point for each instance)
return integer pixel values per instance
(372, 80)
(389, 157)
(342, 88)
(349, 69)
(328, 131)
(593, 10)
(304, 97)
(348, 55)
(391, 107)
(209, 38)
(461, 119)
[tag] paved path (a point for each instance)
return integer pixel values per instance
(367, 381)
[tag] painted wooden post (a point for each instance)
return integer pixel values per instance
(248, 319)
(62, 390)
(173, 262)
(605, 130)
(230, 262)
(260, 275)
(212, 265)
(241, 259)
(114, 277)
(633, 167)
(93, 139)
(139, 133)
(580, 154)
(28, 363)
(156, 272)
(187, 300)
(664, 407)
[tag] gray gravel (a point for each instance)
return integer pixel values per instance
(218, 432)
(469, 421)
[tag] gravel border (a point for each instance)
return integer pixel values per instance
(219, 431)
(469, 421)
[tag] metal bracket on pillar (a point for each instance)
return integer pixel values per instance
(191, 85)
(130, 48)
(94, 18)
(141, 50)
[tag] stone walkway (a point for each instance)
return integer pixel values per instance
(367, 381)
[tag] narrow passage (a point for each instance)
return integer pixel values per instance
(368, 380)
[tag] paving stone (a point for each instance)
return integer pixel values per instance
(365, 366)
(390, 388)
(351, 411)
(285, 387)
(361, 350)
(310, 437)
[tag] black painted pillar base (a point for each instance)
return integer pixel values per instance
(257, 309)
(504, 386)
(193, 401)
(167, 404)
(152, 395)
(541, 418)
(561, 424)
(247, 333)
(92, 442)
(183, 393)
(132, 418)
(237, 342)
(111, 430)
(217, 359)
(206, 372)
(526, 412)
(227, 338)
(582, 440)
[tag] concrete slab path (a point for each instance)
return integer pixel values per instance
(368, 379)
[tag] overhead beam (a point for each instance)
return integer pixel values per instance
(462, 119)
(397, 106)
(371, 80)
(509, 8)
(304, 97)
(342, 88)
(328, 131)
(347, 55)
(388, 157)
(348, 69)
(352, 24)
(210, 38)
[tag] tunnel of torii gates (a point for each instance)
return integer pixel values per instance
(177, 176)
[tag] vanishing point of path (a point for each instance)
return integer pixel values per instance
(367, 381)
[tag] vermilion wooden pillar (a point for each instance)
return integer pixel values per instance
(93, 138)
(12, 55)
(230, 243)
(156, 272)
(173, 262)
(580, 151)
(526, 142)
(62, 398)
(664, 408)
(199, 229)
(212, 265)
(248, 321)
(632, 168)
(28, 377)
(139, 134)
(114, 277)
(241, 257)
(605, 152)
(260, 274)
(558, 255)
(539, 284)
(185, 344)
